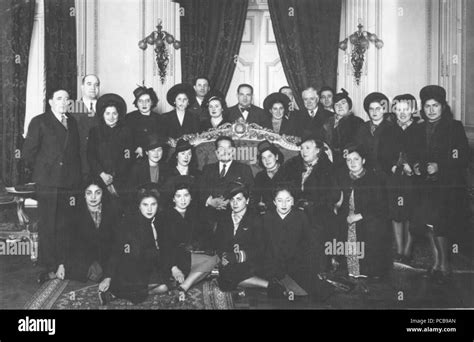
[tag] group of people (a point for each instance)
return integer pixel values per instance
(148, 223)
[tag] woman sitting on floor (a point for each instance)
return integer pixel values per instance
(93, 234)
(136, 255)
(239, 245)
(286, 235)
(182, 241)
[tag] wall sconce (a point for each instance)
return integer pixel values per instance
(159, 38)
(360, 41)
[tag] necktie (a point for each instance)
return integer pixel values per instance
(236, 220)
(311, 113)
(373, 128)
(222, 174)
(64, 120)
(309, 169)
(92, 108)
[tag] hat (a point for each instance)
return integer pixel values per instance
(142, 91)
(376, 97)
(433, 92)
(179, 89)
(108, 100)
(410, 99)
(343, 95)
(154, 141)
(236, 187)
(182, 145)
(213, 94)
(273, 98)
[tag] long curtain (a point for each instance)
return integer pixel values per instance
(16, 27)
(60, 46)
(211, 34)
(307, 36)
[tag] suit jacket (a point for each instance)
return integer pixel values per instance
(213, 185)
(287, 126)
(53, 151)
(141, 126)
(248, 237)
(256, 115)
(195, 108)
(140, 174)
(86, 120)
(382, 148)
(303, 122)
(175, 130)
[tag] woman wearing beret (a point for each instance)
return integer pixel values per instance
(379, 137)
(152, 169)
(276, 105)
(402, 178)
(340, 129)
(216, 107)
(443, 164)
(363, 218)
(270, 159)
(239, 245)
(109, 147)
(136, 268)
(182, 239)
(180, 121)
(93, 234)
(144, 120)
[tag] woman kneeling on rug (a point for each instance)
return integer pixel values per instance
(136, 255)
(240, 246)
(93, 234)
(182, 241)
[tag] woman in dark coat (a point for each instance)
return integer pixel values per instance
(144, 121)
(442, 167)
(270, 159)
(182, 239)
(180, 121)
(93, 234)
(216, 107)
(153, 168)
(363, 219)
(379, 137)
(239, 245)
(109, 146)
(340, 130)
(286, 235)
(136, 259)
(276, 105)
(401, 181)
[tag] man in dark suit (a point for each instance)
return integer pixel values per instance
(84, 112)
(312, 117)
(246, 110)
(51, 149)
(201, 87)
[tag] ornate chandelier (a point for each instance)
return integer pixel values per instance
(158, 38)
(360, 41)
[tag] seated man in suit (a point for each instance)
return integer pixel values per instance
(201, 87)
(84, 112)
(216, 177)
(245, 109)
(312, 117)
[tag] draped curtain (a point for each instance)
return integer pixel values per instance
(211, 34)
(60, 46)
(307, 36)
(16, 27)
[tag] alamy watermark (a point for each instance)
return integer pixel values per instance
(346, 248)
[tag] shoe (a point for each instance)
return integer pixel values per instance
(276, 290)
(105, 297)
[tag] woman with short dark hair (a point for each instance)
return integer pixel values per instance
(136, 259)
(216, 107)
(276, 105)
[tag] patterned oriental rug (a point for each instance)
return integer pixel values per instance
(53, 295)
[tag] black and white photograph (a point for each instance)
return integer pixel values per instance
(238, 155)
